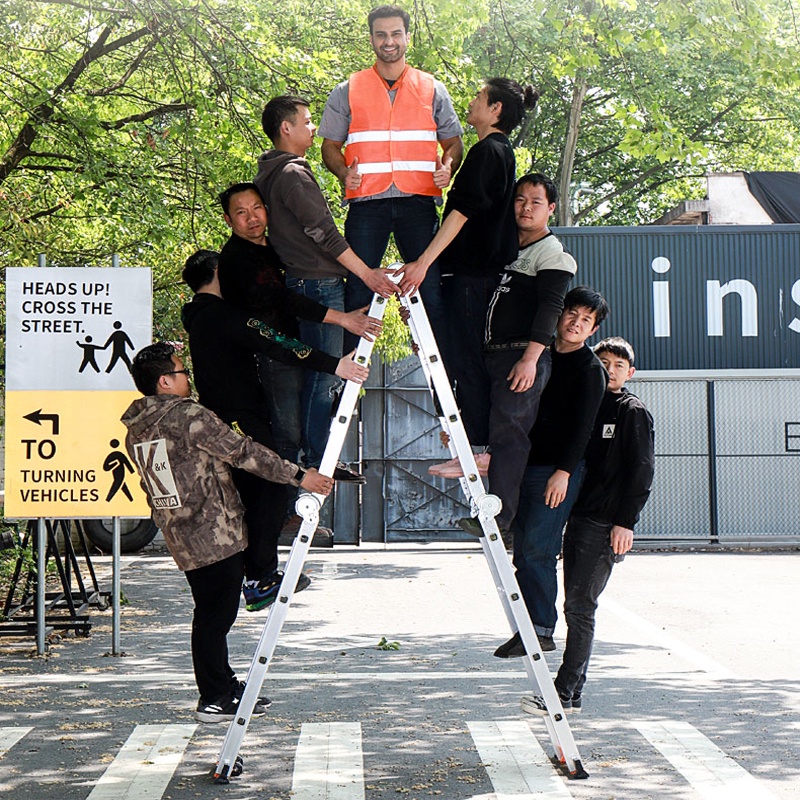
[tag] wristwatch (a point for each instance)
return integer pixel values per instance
(300, 474)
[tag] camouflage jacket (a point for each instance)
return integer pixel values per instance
(184, 454)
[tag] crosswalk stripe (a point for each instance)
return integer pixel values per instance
(145, 764)
(714, 775)
(9, 737)
(515, 761)
(329, 763)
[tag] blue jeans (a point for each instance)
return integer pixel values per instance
(283, 385)
(319, 387)
(466, 301)
(511, 418)
(413, 221)
(588, 561)
(537, 543)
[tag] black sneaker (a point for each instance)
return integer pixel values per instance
(514, 648)
(260, 701)
(533, 704)
(344, 474)
(222, 711)
(263, 594)
(471, 526)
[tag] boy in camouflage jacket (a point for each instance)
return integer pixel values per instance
(184, 454)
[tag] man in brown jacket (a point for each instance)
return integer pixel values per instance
(184, 454)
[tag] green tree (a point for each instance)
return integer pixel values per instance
(642, 96)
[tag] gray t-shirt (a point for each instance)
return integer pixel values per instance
(336, 117)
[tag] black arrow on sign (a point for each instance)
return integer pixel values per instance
(37, 417)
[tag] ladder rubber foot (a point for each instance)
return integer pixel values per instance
(223, 778)
(580, 774)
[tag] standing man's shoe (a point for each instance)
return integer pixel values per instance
(514, 648)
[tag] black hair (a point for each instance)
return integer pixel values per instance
(237, 188)
(538, 179)
(278, 110)
(386, 12)
(617, 346)
(198, 271)
(149, 364)
(586, 297)
(514, 98)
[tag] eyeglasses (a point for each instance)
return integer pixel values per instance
(186, 372)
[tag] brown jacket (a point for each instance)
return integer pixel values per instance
(184, 454)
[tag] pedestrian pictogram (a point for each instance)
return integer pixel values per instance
(118, 464)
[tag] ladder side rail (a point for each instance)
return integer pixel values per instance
(443, 421)
(487, 507)
(265, 648)
(308, 506)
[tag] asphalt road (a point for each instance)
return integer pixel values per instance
(694, 689)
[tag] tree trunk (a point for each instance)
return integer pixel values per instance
(565, 216)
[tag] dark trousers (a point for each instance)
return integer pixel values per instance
(511, 418)
(319, 388)
(588, 561)
(215, 589)
(413, 221)
(538, 533)
(265, 505)
(283, 386)
(466, 301)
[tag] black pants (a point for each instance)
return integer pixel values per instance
(588, 561)
(216, 590)
(264, 511)
(265, 506)
(466, 302)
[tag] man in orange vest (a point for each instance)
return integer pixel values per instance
(381, 131)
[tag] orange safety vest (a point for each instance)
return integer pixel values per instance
(394, 142)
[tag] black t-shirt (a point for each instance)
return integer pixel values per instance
(483, 191)
(223, 341)
(620, 460)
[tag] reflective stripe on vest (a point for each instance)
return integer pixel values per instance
(394, 142)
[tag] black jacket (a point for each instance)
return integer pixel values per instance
(251, 277)
(223, 341)
(620, 460)
(567, 409)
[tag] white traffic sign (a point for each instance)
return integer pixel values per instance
(70, 337)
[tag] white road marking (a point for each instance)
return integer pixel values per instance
(515, 761)
(144, 766)
(329, 763)
(664, 640)
(713, 775)
(9, 737)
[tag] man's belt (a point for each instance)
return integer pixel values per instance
(490, 348)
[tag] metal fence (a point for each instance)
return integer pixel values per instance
(727, 465)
